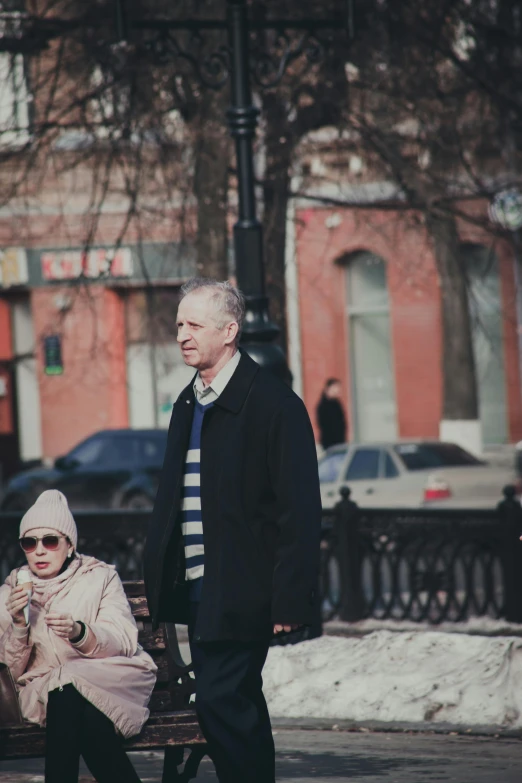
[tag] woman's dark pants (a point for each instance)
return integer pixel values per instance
(231, 708)
(76, 728)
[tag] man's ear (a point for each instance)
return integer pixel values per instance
(231, 332)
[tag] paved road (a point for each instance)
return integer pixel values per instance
(303, 756)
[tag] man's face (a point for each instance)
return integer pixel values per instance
(333, 392)
(202, 343)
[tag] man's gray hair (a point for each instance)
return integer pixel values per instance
(228, 300)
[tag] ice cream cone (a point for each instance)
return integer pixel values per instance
(24, 580)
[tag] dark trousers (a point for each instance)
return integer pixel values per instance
(231, 708)
(76, 728)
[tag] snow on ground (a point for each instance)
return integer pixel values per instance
(399, 677)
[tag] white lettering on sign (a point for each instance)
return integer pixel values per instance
(70, 264)
(13, 267)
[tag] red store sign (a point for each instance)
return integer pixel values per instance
(71, 264)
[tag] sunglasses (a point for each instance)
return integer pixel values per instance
(50, 542)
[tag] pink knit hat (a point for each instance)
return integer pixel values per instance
(51, 510)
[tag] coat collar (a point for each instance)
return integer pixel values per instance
(235, 392)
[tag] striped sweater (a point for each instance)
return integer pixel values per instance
(192, 522)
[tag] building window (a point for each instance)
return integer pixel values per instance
(14, 101)
(485, 304)
(374, 415)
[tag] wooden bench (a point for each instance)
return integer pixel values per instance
(172, 725)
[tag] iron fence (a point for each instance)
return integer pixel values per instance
(424, 564)
(405, 564)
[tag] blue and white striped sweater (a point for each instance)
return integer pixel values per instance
(192, 524)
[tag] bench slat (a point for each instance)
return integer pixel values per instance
(167, 729)
(152, 640)
(134, 588)
(139, 606)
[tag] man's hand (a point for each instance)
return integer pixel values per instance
(285, 628)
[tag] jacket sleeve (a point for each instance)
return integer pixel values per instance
(115, 628)
(295, 483)
(15, 645)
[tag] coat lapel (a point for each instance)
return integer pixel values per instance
(236, 391)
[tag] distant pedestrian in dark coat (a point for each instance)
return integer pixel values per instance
(233, 544)
(330, 415)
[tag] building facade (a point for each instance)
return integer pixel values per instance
(88, 338)
(87, 342)
(370, 314)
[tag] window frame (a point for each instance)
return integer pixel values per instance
(16, 112)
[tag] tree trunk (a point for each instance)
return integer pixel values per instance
(278, 147)
(460, 398)
(211, 151)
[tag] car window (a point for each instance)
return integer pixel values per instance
(390, 468)
(422, 456)
(330, 466)
(364, 465)
(123, 450)
(91, 451)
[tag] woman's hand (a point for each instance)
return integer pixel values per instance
(63, 625)
(16, 603)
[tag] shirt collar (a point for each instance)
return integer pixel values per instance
(221, 379)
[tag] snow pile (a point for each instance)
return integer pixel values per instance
(399, 677)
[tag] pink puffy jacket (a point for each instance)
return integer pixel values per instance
(117, 676)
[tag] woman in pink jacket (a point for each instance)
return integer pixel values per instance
(74, 652)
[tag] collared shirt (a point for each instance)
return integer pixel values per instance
(206, 394)
(192, 525)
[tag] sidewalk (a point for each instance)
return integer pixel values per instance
(361, 757)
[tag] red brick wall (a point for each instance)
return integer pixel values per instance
(91, 394)
(415, 318)
(6, 353)
(414, 309)
(6, 338)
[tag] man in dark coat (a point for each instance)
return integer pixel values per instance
(233, 545)
(330, 415)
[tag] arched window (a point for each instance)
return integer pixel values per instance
(485, 305)
(374, 415)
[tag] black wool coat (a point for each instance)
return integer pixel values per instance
(261, 512)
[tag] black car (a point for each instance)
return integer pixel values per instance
(111, 469)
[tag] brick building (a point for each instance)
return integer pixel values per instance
(81, 349)
(87, 339)
(80, 354)
(369, 313)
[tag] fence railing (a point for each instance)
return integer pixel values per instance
(404, 564)
(424, 564)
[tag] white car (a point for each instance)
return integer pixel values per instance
(411, 474)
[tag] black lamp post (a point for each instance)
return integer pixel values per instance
(238, 65)
(259, 331)
(241, 65)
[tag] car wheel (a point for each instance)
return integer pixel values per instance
(137, 502)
